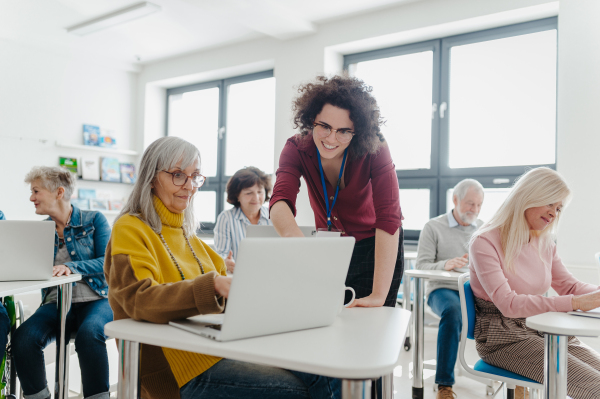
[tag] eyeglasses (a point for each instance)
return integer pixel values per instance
(343, 135)
(180, 178)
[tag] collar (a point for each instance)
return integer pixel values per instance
(453, 223)
(166, 216)
(239, 214)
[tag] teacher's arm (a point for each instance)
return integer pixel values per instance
(284, 221)
(386, 252)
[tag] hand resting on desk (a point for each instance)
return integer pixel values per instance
(457, 263)
(586, 302)
(60, 270)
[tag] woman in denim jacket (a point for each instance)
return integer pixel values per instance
(79, 246)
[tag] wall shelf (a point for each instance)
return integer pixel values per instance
(97, 149)
(79, 179)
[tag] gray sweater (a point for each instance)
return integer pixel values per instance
(438, 243)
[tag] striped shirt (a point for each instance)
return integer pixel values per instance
(230, 229)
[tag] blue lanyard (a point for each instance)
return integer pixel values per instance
(337, 187)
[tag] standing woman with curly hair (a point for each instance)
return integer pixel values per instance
(351, 179)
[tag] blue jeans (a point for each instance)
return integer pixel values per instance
(88, 319)
(446, 304)
(4, 330)
(235, 379)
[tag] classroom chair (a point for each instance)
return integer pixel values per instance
(482, 369)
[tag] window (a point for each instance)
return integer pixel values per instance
(467, 106)
(232, 122)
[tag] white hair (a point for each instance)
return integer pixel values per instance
(162, 154)
(463, 186)
(537, 187)
(53, 177)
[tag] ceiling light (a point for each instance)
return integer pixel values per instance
(114, 18)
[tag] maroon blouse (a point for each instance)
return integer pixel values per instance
(369, 201)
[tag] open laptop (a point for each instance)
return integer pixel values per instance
(280, 285)
(26, 250)
(255, 231)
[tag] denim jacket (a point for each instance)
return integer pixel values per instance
(86, 238)
(2, 216)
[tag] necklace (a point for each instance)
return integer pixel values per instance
(175, 260)
(61, 240)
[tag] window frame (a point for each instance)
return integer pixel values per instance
(440, 172)
(216, 183)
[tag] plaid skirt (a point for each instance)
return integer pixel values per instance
(508, 343)
(362, 269)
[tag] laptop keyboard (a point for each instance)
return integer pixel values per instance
(215, 326)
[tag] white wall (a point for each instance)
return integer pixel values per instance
(48, 96)
(301, 59)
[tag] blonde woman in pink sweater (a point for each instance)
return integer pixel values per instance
(513, 262)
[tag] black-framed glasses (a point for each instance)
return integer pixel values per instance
(180, 179)
(342, 135)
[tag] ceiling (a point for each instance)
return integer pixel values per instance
(182, 26)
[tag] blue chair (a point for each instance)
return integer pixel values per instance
(481, 369)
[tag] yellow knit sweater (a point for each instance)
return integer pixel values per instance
(149, 296)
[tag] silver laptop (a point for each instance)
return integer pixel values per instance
(280, 285)
(26, 250)
(255, 231)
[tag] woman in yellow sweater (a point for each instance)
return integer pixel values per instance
(159, 270)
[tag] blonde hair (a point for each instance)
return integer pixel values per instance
(162, 154)
(537, 187)
(53, 177)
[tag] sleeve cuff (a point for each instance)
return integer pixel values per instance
(388, 227)
(205, 296)
(564, 303)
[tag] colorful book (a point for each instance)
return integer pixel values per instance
(116, 205)
(128, 173)
(81, 203)
(110, 169)
(91, 135)
(90, 169)
(69, 163)
(107, 138)
(98, 204)
(87, 193)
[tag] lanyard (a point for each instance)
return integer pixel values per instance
(337, 187)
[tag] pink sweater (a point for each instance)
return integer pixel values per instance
(520, 294)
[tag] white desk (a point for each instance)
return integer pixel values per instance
(419, 316)
(555, 325)
(9, 288)
(362, 344)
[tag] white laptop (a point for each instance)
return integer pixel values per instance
(280, 285)
(26, 250)
(256, 231)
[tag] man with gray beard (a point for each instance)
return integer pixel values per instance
(443, 245)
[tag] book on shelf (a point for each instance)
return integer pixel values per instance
(91, 135)
(98, 204)
(116, 205)
(110, 170)
(68, 163)
(87, 193)
(103, 194)
(107, 138)
(81, 203)
(128, 173)
(90, 169)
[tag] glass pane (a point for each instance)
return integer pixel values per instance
(402, 86)
(251, 125)
(415, 208)
(503, 102)
(205, 206)
(194, 116)
(492, 199)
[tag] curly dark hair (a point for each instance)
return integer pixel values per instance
(244, 178)
(344, 92)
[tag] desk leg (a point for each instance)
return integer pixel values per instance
(354, 389)
(555, 366)
(61, 386)
(387, 382)
(406, 306)
(418, 349)
(129, 370)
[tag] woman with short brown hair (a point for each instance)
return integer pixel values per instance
(247, 191)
